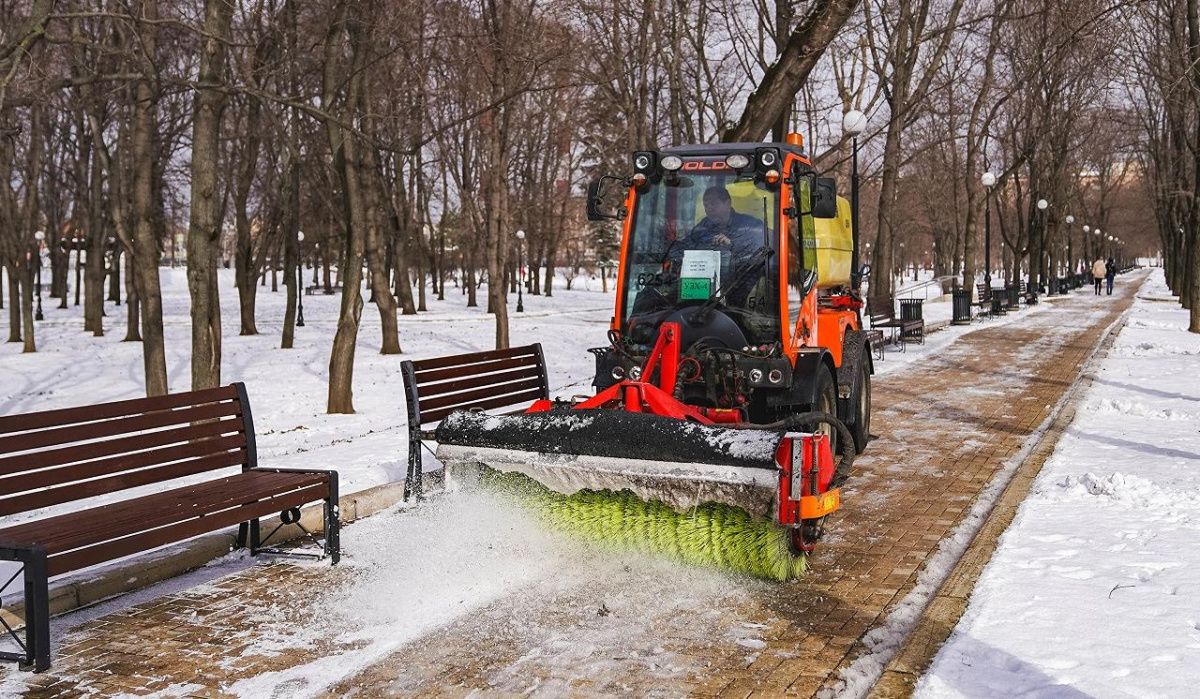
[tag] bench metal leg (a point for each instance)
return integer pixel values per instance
(333, 523)
(37, 611)
(255, 537)
(35, 649)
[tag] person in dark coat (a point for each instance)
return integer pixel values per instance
(1110, 273)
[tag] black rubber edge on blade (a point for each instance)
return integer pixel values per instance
(613, 433)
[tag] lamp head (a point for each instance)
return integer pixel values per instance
(520, 235)
(988, 179)
(854, 122)
(1042, 204)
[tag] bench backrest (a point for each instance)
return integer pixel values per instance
(434, 388)
(56, 456)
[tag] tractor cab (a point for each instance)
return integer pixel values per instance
(725, 241)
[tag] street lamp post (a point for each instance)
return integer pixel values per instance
(39, 237)
(520, 272)
(854, 123)
(1083, 243)
(1099, 242)
(77, 243)
(1073, 268)
(299, 282)
(1042, 205)
(988, 180)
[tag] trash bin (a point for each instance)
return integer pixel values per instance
(1014, 296)
(998, 302)
(960, 307)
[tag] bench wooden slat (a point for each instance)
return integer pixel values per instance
(96, 430)
(473, 358)
(437, 389)
(121, 481)
(74, 529)
(471, 397)
(122, 445)
(501, 402)
(105, 411)
(125, 461)
(470, 370)
(81, 558)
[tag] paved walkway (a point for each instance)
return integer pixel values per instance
(945, 428)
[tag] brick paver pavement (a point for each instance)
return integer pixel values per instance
(945, 428)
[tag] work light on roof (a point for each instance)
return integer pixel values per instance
(672, 162)
(737, 161)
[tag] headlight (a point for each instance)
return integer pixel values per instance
(635, 373)
(756, 375)
(775, 376)
(672, 162)
(737, 161)
(643, 161)
(618, 372)
(767, 158)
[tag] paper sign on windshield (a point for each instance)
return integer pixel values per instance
(700, 274)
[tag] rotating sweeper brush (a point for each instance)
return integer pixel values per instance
(737, 370)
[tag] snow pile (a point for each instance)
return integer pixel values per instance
(1095, 588)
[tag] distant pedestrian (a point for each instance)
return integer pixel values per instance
(1110, 273)
(1099, 271)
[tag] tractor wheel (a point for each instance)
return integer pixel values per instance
(862, 408)
(804, 538)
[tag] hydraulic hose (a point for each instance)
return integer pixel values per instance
(811, 420)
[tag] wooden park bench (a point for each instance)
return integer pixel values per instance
(321, 288)
(61, 457)
(985, 300)
(434, 388)
(901, 330)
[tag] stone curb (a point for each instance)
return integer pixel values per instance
(941, 615)
(85, 589)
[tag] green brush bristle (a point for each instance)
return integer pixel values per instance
(712, 534)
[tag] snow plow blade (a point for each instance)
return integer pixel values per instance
(681, 464)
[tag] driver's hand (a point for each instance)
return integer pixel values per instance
(721, 239)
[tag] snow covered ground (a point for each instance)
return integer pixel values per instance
(1095, 588)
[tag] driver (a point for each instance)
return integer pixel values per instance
(724, 228)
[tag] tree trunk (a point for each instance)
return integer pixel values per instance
(145, 239)
(132, 305)
(93, 297)
(14, 304)
(346, 153)
(385, 303)
(291, 232)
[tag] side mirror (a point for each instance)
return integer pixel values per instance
(825, 198)
(600, 199)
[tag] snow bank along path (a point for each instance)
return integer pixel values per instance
(1095, 588)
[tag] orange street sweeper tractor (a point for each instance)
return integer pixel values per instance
(736, 371)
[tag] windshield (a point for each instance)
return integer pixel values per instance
(695, 236)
